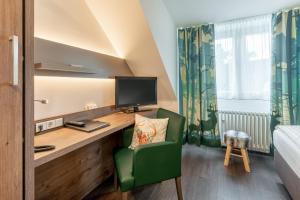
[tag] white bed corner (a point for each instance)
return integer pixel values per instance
(287, 157)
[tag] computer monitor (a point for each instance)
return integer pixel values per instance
(135, 91)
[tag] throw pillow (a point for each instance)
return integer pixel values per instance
(147, 130)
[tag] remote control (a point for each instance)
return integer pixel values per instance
(43, 148)
(76, 123)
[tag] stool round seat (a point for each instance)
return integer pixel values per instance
(236, 139)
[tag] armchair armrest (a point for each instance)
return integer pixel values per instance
(127, 136)
(156, 162)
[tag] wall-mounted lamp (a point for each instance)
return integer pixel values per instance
(42, 101)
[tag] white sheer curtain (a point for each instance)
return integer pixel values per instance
(243, 59)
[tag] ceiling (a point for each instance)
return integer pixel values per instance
(189, 12)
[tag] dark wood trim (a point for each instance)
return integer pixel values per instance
(87, 114)
(28, 26)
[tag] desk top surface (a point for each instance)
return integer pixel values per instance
(67, 140)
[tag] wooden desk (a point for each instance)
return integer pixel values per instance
(79, 158)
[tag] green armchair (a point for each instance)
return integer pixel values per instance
(154, 162)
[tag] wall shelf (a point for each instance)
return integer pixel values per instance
(56, 59)
(63, 68)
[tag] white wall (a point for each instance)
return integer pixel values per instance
(70, 22)
(69, 95)
(163, 29)
(125, 24)
(257, 106)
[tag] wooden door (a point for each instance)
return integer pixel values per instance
(11, 84)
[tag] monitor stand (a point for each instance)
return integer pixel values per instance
(135, 109)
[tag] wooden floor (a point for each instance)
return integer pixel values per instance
(205, 178)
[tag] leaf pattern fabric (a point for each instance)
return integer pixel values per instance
(197, 83)
(286, 68)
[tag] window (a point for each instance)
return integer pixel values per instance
(243, 59)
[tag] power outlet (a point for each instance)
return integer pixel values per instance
(39, 127)
(90, 106)
(43, 126)
(59, 122)
(51, 124)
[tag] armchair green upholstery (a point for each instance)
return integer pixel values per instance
(151, 163)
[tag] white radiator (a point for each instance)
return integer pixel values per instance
(257, 125)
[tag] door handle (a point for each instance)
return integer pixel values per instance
(15, 56)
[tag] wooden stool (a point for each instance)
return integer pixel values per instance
(237, 144)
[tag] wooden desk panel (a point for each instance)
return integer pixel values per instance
(74, 175)
(67, 140)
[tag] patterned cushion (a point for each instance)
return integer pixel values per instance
(148, 131)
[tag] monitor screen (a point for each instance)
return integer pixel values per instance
(135, 91)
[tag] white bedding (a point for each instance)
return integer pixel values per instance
(287, 143)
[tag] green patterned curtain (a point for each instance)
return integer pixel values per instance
(286, 68)
(197, 84)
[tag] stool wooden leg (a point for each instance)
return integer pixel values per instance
(227, 155)
(248, 157)
(245, 159)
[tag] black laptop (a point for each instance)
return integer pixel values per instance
(87, 125)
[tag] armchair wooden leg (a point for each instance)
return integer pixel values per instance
(178, 187)
(124, 195)
(115, 180)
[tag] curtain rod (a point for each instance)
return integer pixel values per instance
(230, 20)
(193, 26)
(201, 24)
(288, 9)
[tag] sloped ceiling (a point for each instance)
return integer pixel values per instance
(126, 27)
(163, 30)
(70, 22)
(189, 12)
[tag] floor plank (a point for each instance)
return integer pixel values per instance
(205, 178)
